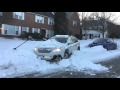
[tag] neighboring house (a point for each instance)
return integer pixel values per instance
(91, 34)
(74, 22)
(17, 23)
(92, 30)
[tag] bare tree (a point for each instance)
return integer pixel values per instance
(84, 16)
(103, 18)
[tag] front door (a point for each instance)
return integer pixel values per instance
(43, 33)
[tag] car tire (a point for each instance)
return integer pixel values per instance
(78, 49)
(105, 47)
(56, 59)
(66, 55)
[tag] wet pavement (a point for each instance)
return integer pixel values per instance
(113, 72)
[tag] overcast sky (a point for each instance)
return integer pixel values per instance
(116, 14)
(118, 20)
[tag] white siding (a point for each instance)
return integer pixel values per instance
(23, 16)
(38, 30)
(27, 29)
(47, 34)
(2, 29)
(43, 20)
(32, 30)
(19, 31)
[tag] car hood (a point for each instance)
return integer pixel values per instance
(51, 44)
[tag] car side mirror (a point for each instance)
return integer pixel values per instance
(68, 43)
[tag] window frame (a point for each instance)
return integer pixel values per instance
(33, 30)
(17, 15)
(50, 21)
(75, 23)
(39, 19)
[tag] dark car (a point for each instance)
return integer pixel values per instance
(106, 43)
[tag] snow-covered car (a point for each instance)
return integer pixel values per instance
(57, 48)
(105, 42)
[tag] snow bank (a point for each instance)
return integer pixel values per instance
(23, 60)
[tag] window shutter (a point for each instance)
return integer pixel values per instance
(3, 26)
(23, 16)
(48, 21)
(32, 30)
(27, 29)
(43, 20)
(38, 30)
(35, 18)
(19, 31)
(13, 14)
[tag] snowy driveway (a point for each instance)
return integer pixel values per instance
(113, 72)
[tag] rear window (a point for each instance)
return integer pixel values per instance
(61, 40)
(100, 41)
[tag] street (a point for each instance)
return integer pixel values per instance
(113, 72)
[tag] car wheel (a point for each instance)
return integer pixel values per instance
(78, 48)
(66, 55)
(56, 59)
(107, 48)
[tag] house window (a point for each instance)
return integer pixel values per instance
(35, 30)
(25, 30)
(74, 23)
(1, 13)
(50, 21)
(18, 15)
(39, 19)
(10, 30)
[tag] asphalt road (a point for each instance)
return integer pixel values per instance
(113, 72)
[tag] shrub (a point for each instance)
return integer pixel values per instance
(35, 36)
(112, 35)
(77, 36)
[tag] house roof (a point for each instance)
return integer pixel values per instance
(49, 14)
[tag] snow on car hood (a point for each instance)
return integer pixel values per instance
(51, 44)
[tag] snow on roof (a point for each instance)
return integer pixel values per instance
(62, 36)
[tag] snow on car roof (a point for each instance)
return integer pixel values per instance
(62, 36)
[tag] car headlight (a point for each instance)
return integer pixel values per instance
(36, 49)
(57, 50)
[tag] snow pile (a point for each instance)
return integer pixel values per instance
(24, 61)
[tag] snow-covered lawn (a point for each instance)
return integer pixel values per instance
(23, 60)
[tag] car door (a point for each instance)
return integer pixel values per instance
(75, 44)
(70, 44)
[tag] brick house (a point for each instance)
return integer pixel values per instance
(74, 22)
(17, 23)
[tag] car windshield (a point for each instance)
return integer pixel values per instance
(100, 41)
(61, 40)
